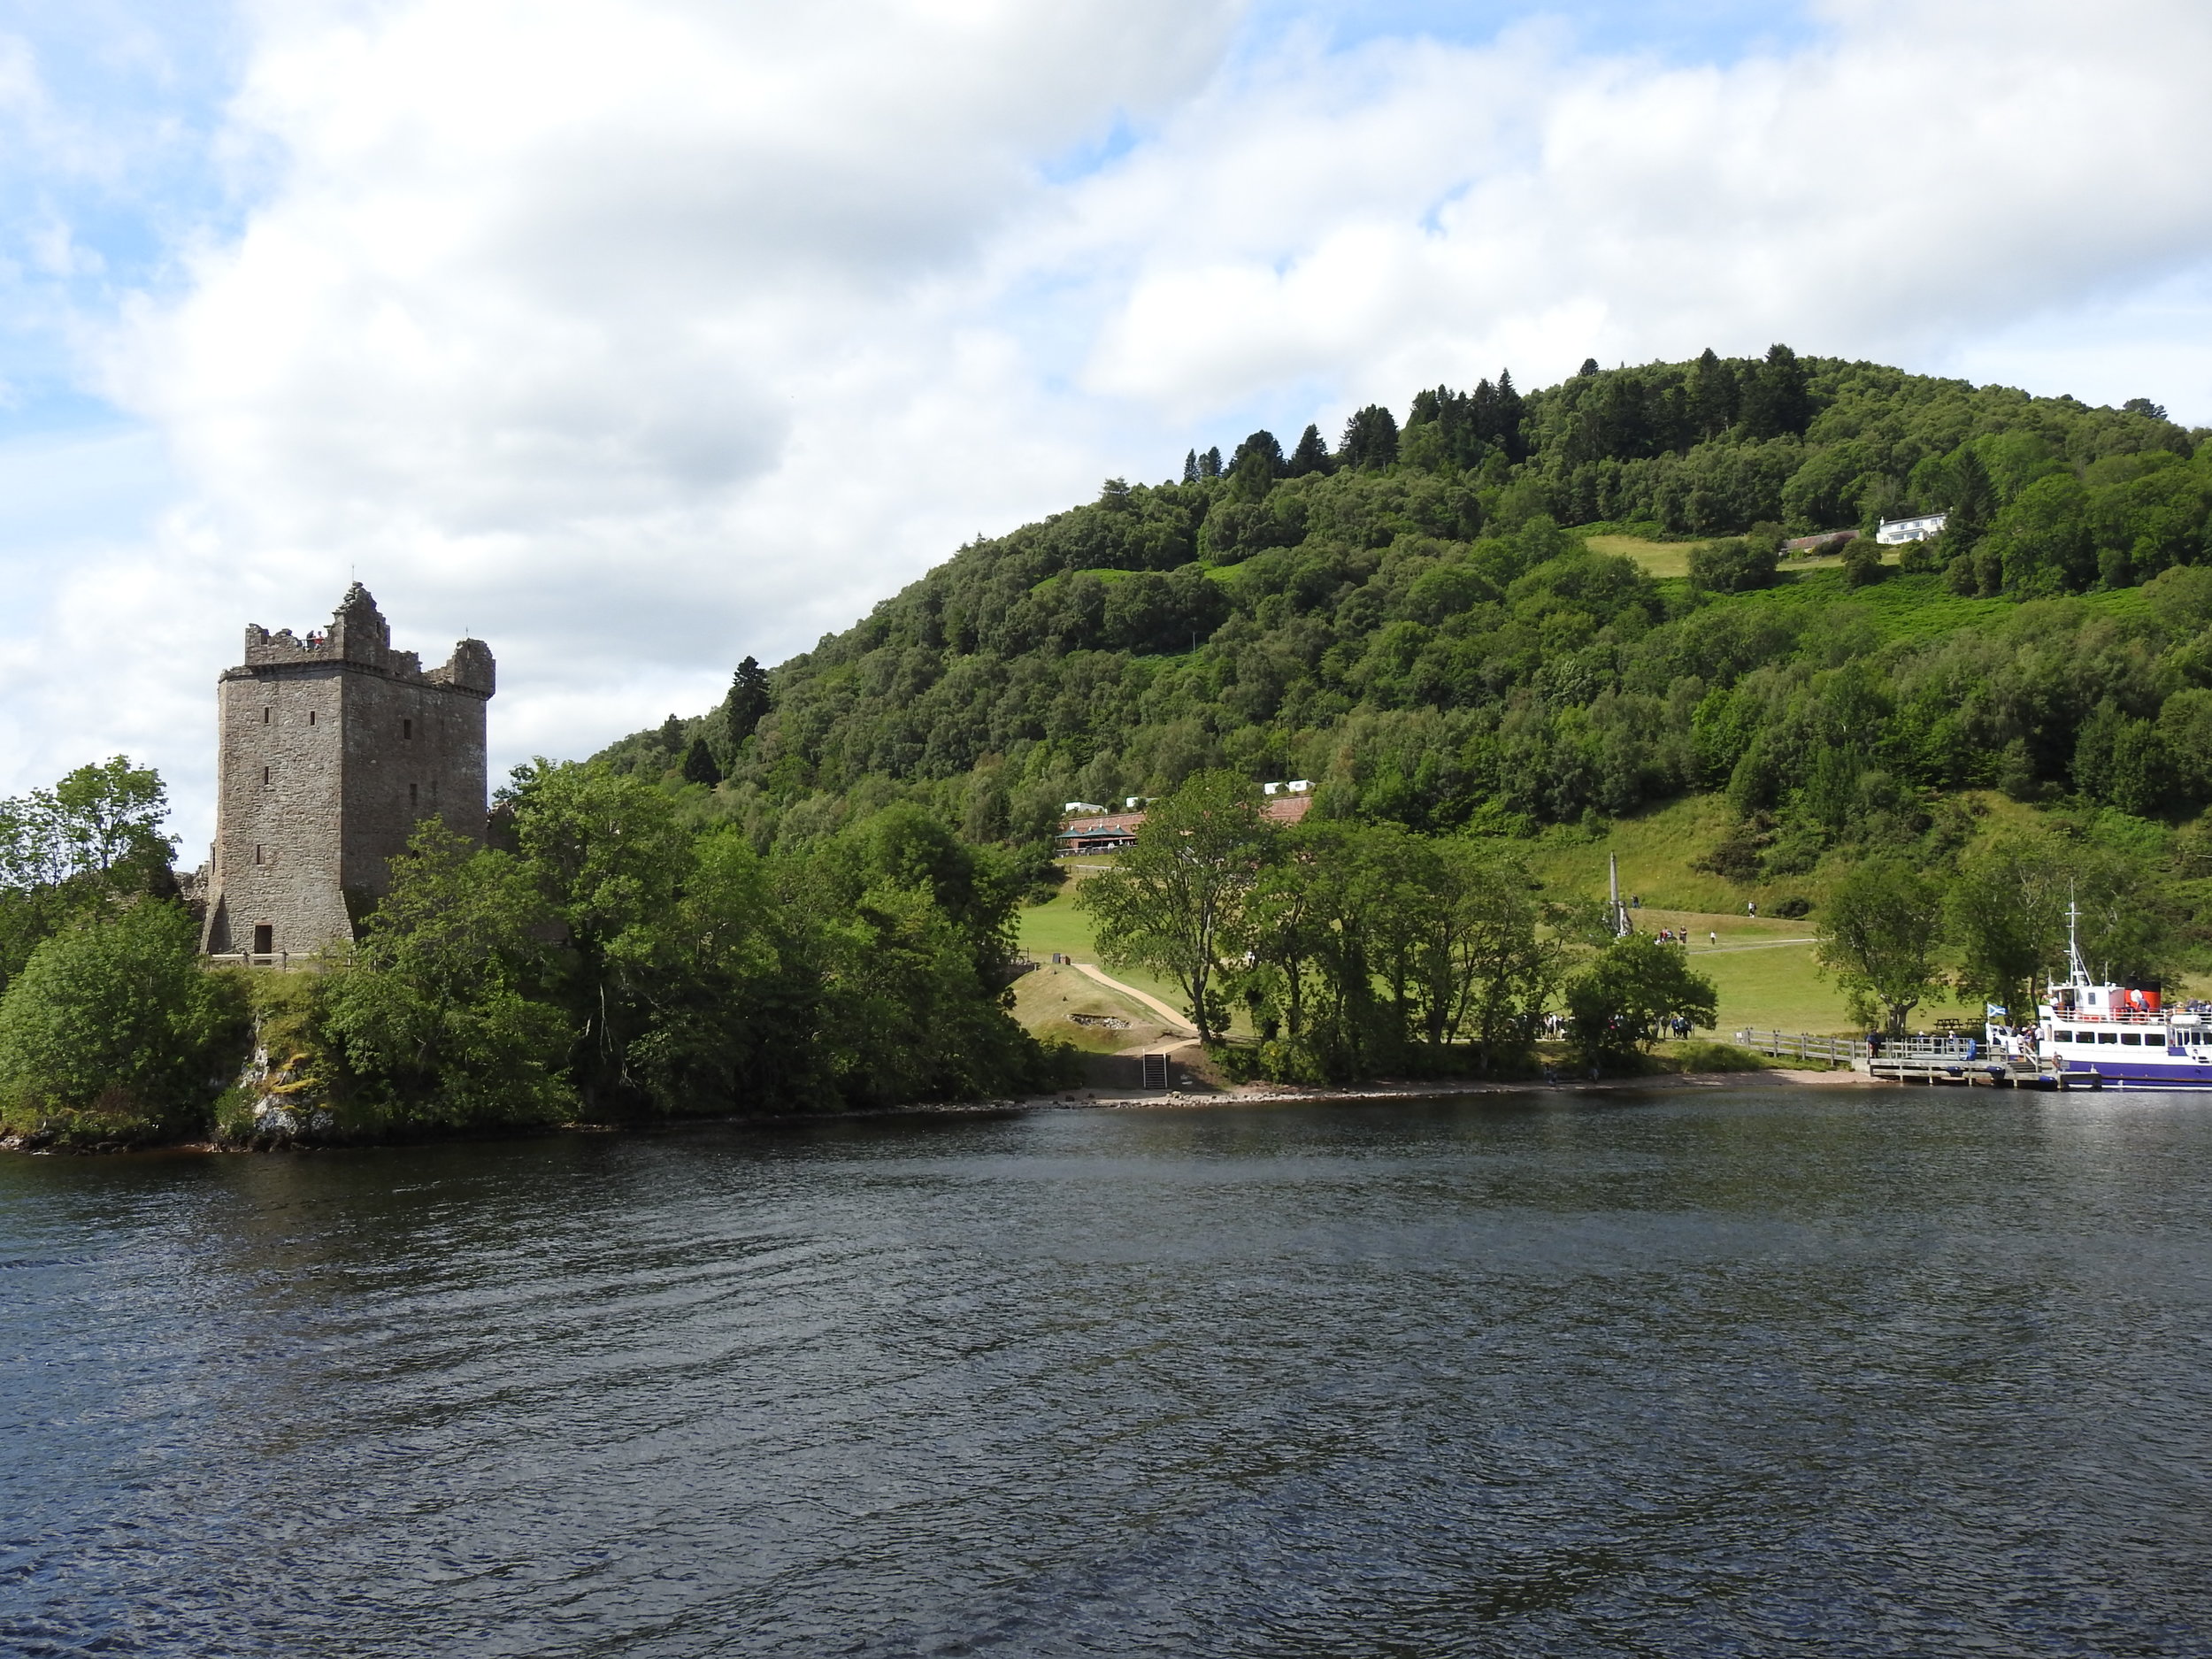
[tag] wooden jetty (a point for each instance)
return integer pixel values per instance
(1994, 1070)
(1939, 1061)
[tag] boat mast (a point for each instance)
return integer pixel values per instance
(2073, 946)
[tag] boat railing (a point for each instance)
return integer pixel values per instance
(2126, 1016)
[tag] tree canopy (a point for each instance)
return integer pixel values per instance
(1409, 620)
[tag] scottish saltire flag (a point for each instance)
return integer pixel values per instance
(1992, 1011)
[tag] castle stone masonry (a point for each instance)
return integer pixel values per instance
(330, 749)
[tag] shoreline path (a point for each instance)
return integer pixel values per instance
(1151, 1001)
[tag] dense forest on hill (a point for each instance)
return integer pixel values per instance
(1415, 619)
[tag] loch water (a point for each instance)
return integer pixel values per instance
(1751, 1371)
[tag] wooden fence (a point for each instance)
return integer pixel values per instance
(1797, 1045)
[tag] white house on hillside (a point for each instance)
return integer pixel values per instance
(1896, 532)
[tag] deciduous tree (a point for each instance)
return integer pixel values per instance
(1623, 1001)
(2007, 915)
(1178, 901)
(1881, 939)
(439, 1013)
(113, 1031)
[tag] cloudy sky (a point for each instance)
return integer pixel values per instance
(637, 335)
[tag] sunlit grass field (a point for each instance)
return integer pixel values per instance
(1764, 980)
(1054, 1003)
(1670, 559)
(1658, 558)
(1060, 926)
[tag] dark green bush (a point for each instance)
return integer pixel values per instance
(1735, 565)
(113, 1034)
(1863, 561)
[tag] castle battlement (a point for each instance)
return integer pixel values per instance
(332, 748)
(358, 637)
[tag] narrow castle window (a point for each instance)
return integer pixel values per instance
(264, 940)
(411, 795)
(257, 852)
(265, 774)
(407, 728)
(310, 717)
(265, 714)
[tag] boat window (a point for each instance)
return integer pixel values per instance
(2154, 1039)
(2062, 1036)
(2107, 1036)
(2132, 1039)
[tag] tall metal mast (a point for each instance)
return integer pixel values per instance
(2073, 946)
(1620, 929)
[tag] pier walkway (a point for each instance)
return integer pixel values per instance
(1957, 1061)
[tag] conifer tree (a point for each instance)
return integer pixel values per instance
(1712, 395)
(1482, 412)
(1510, 413)
(1973, 501)
(1210, 464)
(1312, 455)
(1258, 464)
(1589, 367)
(671, 734)
(747, 702)
(1776, 400)
(1190, 467)
(699, 765)
(1371, 438)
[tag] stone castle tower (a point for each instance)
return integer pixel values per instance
(331, 749)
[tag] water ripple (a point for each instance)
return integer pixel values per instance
(1750, 1373)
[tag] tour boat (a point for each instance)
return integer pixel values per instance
(2126, 1036)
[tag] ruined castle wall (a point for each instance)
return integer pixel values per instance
(413, 750)
(279, 774)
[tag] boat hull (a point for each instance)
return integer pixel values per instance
(2187, 1074)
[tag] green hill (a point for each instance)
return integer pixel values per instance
(1404, 619)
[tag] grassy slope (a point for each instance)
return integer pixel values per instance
(1059, 927)
(1047, 1000)
(1899, 607)
(1658, 559)
(1772, 985)
(1672, 559)
(1761, 984)
(1904, 607)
